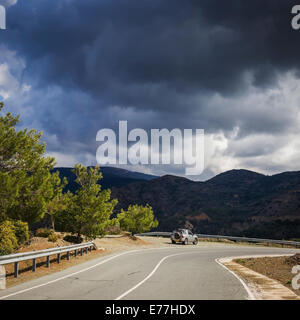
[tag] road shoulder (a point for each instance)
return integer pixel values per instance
(261, 286)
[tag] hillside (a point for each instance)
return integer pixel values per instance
(112, 177)
(236, 202)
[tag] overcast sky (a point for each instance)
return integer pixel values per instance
(72, 67)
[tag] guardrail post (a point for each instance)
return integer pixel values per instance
(58, 258)
(48, 262)
(81, 251)
(68, 255)
(16, 269)
(86, 250)
(75, 253)
(33, 265)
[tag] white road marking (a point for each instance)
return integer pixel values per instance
(227, 259)
(114, 257)
(80, 271)
(250, 294)
(150, 274)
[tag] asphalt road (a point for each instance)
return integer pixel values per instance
(180, 272)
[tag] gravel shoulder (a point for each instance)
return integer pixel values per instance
(277, 268)
(268, 278)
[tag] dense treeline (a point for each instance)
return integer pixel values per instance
(30, 190)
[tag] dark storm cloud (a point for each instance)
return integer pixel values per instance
(176, 63)
(116, 48)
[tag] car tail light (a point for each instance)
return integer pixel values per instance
(182, 236)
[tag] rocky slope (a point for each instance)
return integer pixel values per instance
(236, 202)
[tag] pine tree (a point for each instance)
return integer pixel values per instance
(57, 200)
(25, 177)
(90, 208)
(137, 219)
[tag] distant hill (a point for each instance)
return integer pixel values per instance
(112, 177)
(236, 202)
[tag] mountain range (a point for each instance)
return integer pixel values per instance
(112, 177)
(236, 202)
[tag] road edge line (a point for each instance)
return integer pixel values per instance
(249, 292)
(150, 274)
(220, 261)
(77, 272)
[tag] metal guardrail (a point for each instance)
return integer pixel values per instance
(33, 255)
(253, 240)
(240, 239)
(155, 234)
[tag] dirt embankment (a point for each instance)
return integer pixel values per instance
(276, 268)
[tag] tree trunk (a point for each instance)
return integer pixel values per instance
(52, 223)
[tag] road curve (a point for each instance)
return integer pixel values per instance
(176, 273)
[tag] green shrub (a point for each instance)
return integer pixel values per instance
(72, 239)
(44, 232)
(8, 239)
(21, 231)
(52, 237)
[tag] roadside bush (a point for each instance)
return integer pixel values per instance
(44, 232)
(52, 237)
(72, 239)
(8, 239)
(21, 231)
(137, 219)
